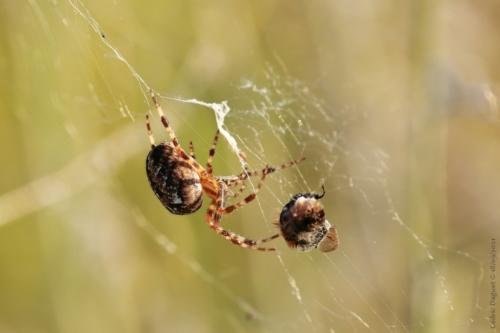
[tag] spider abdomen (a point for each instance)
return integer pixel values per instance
(175, 182)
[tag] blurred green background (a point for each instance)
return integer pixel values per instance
(392, 103)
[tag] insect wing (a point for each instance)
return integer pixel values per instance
(330, 242)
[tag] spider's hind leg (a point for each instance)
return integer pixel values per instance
(214, 215)
(150, 133)
(245, 242)
(235, 238)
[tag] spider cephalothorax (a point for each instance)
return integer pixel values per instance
(303, 225)
(179, 182)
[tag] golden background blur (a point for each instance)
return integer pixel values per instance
(86, 247)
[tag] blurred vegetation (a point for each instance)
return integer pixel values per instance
(86, 247)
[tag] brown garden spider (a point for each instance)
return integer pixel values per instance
(179, 181)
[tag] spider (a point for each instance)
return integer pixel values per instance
(303, 225)
(179, 182)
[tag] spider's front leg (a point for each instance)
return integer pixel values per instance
(249, 198)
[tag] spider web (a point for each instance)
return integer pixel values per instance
(410, 191)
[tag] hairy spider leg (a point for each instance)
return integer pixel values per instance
(212, 153)
(249, 198)
(233, 181)
(241, 189)
(150, 133)
(217, 204)
(242, 177)
(231, 236)
(191, 150)
(209, 166)
(175, 142)
(246, 173)
(231, 185)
